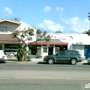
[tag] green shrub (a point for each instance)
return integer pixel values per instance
(27, 59)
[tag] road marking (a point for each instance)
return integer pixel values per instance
(47, 78)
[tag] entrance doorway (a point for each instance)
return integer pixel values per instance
(50, 50)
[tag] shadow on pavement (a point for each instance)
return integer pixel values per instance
(42, 63)
(86, 64)
(54, 63)
(1, 62)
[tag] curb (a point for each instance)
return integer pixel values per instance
(37, 60)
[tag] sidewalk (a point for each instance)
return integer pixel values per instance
(84, 61)
(37, 60)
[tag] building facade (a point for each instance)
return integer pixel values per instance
(64, 41)
(58, 42)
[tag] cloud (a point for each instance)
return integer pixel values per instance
(71, 25)
(59, 9)
(75, 24)
(47, 9)
(8, 10)
(51, 26)
(73, 20)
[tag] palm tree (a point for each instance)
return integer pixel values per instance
(42, 36)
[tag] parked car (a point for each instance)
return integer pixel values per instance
(10, 52)
(67, 56)
(3, 57)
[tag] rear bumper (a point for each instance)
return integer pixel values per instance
(81, 59)
(1, 59)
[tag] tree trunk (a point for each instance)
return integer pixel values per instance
(22, 58)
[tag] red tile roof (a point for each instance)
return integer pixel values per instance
(48, 43)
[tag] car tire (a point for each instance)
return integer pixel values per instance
(50, 61)
(73, 61)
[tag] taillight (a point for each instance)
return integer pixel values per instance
(3, 56)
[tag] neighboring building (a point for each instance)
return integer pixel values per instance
(7, 27)
(81, 42)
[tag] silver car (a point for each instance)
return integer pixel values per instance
(3, 57)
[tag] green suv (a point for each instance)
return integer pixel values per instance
(67, 56)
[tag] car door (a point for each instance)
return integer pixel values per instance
(67, 56)
(60, 57)
(63, 56)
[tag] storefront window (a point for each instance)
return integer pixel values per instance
(38, 49)
(45, 49)
(57, 49)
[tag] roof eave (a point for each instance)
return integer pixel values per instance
(9, 21)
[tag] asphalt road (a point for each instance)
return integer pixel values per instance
(41, 76)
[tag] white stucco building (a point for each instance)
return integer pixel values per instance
(7, 27)
(60, 41)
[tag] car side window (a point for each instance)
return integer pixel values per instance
(74, 53)
(67, 53)
(71, 53)
(62, 53)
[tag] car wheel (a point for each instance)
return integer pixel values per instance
(73, 61)
(50, 61)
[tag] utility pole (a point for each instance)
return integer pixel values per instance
(89, 15)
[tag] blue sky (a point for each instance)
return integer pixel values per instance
(68, 16)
